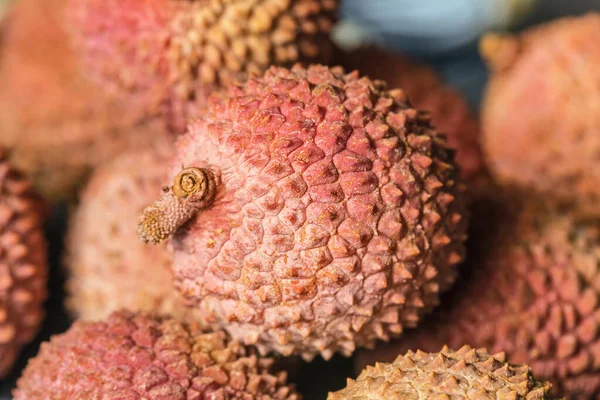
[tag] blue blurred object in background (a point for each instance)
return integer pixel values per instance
(444, 33)
(424, 27)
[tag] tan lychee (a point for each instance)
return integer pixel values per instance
(465, 374)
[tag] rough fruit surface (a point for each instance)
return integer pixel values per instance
(167, 56)
(465, 374)
(109, 268)
(338, 216)
(57, 123)
(531, 289)
(450, 113)
(540, 113)
(131, 356)
(23, 265)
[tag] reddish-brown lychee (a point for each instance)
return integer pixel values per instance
(465, 374)
(316, 211)
(109, 268)
(540, 113)
(23, 264)
(167, 56)
(450, 113)
(131, 356)
(530, 288)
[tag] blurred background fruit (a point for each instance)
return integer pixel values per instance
(57, 123)
(167, 56)
(109, 268)
(540, 118)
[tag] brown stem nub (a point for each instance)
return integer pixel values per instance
(499, 50)
(193, 190)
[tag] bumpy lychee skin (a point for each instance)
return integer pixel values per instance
(540, 118)
(169, 55)
(531, 289)
(465, 374)
(58, 123)
(109, 268)
(337, 218)
(131, 356)
(450, 113)
(23, 268)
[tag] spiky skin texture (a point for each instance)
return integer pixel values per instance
(131, 356)
(167, 56)
(58, 123)
(23, 265)
(450, 113)
(338, 220)
(530, 288)
(109, 268)
(540, 118)
(465, 374)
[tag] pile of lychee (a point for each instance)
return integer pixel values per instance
(241, 190)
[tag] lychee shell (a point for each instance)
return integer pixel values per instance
(129, 356)
(450, 113)
(464, 374)
(540, 112)
(339, 219)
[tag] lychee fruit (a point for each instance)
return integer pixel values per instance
(465, 374)
(58, 123)
(316, 211)
(109, 268)
(167, 56)
(139, 356)
(23, 264)
(540, 117)
(450, 113)
(530, 288)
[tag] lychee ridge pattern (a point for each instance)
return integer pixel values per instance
(450, 112)
(140, 356)
(338, 220)
(465, 374)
